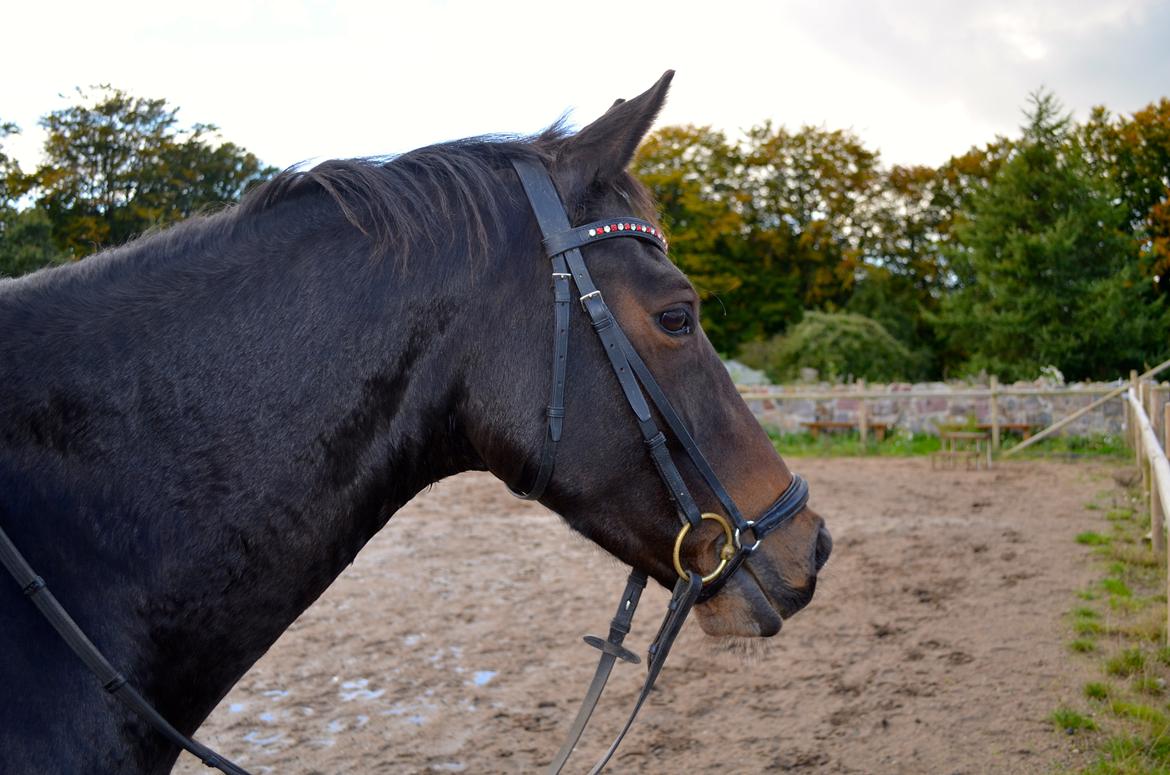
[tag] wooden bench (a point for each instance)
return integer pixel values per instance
(972, 447)
(814, 428)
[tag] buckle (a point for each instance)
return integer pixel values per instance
(586, 296)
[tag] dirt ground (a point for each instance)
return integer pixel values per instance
(935, 643)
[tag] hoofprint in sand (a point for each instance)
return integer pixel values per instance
(935, 642)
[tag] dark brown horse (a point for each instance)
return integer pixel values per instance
(201, 429)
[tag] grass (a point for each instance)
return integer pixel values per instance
(1097, 691)
(905, 444)
(1125, 663)
(1070, 721)
(1119, 623)
(1116, 587)
(1090, 538)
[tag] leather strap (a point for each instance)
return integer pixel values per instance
(550, 216)
(611, 650)
(110, 679)
(682, 600)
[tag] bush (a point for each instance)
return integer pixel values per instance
(838, 345)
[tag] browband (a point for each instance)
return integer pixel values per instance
(560, 242)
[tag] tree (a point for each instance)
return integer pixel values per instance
(838, 345)
(116, 165)
(1046, 272)
(694, 174)
(1134, 152)
(766, 227)
(26, 240)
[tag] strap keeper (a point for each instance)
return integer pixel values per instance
(656, 441)
(34, 586)
(555, 411)
(115, 683)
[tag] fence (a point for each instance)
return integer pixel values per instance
(1151, 460)
(924, 408)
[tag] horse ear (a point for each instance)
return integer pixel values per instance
(602, 150)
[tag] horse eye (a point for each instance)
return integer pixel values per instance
(675, 321)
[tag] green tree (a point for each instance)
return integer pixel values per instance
(116, 165)
(1045, 269)
(694, 173)
(838, 345)
(1134, 152)
(766, 227)
(26, 241)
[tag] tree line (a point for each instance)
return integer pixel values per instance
(113, 166)
(1047, 250)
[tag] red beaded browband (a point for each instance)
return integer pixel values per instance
(599, 230)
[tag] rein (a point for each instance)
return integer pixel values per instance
(562, 244)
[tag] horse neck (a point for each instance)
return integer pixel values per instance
(237, 432)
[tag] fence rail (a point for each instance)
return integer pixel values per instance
(1151, 458)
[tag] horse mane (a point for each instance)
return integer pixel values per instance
(401, 201)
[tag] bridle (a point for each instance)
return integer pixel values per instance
(562, 243)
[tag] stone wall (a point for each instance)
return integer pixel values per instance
(921, 408)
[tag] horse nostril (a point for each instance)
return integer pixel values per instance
(824, 547)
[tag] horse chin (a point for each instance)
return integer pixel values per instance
(740, 610)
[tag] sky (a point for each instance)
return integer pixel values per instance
(299, 80)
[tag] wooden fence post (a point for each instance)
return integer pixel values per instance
(862, 414)
(995, 413)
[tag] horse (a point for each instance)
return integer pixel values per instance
(201, 429)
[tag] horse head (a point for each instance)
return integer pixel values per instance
(603, 482)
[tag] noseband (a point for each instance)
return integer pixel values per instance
(742, 537)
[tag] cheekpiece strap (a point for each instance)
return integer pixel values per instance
(558, 243)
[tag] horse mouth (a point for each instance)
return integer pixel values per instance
(757, 599)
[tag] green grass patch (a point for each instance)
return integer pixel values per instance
(849, 444)
(1120, 624)
(1138, 712)
(1071, 721)
(1089, 538)
(1087, 628)
(1134, 555)
(1095, 445)
(899, 443)
(1148, 684)
(1116, 587)
(1125, 663)
(1132, 755)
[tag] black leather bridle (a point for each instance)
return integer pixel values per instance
(563, 243)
